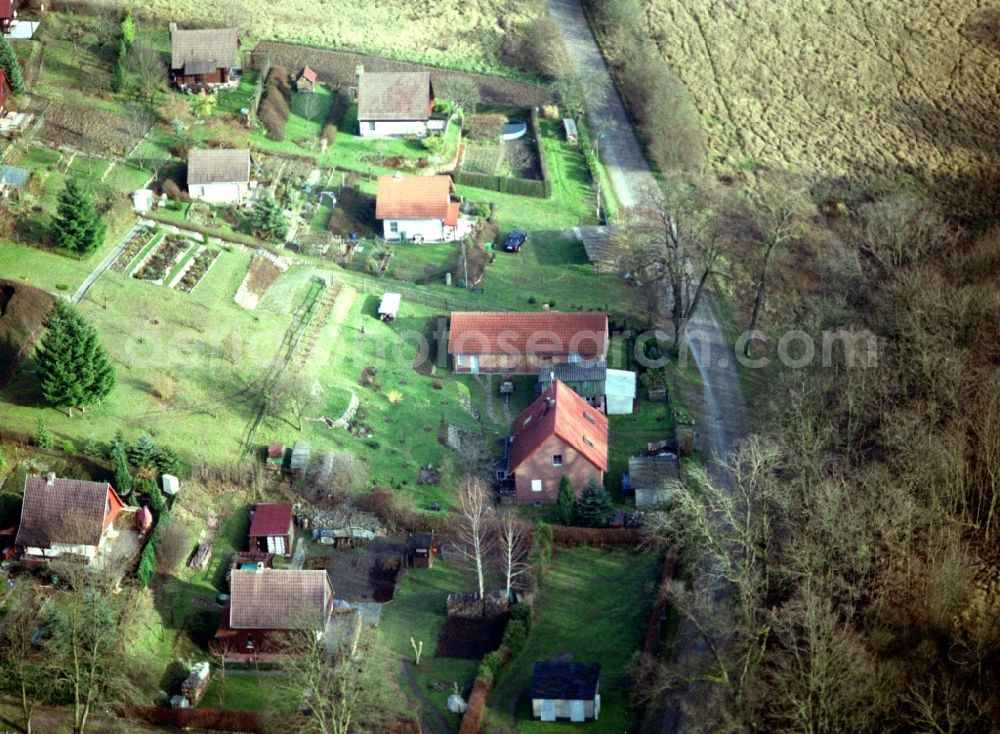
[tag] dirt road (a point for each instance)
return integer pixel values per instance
(722, 417)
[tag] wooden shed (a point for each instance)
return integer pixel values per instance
(272, 529)
(420, 550)
(300, 458)
(565, 691)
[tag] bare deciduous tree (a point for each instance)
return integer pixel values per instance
(24, 666)
(676, 247)
(513, 546)
(473, 539)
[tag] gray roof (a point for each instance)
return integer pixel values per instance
(620, 382)
(578, 372)
(16, 178)
(599, 242)
(650, 472)
(221, 165)
(217, 46)
(300, 455)
(565, 681)
(394, 95)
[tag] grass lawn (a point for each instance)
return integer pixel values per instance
(593, 606)
(352, 152)
(418, 611)
(629, 435)
(305, 124)
(249, 690)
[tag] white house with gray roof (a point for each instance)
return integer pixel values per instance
(219, 176)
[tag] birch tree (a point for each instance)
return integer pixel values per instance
(513, 546)
(473, 540)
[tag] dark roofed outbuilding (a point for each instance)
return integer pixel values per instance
(565, 691)
(203, 56)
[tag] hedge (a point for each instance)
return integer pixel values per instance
(570, 537)
(211, 719)
(472, 720)
(517, 186)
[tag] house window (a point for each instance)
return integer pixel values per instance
(575, 358)
(459, 360)
(590, 418)
(371, 126)
(588, 442)
(557, 460)
(536, 485)
(249, 642)
(394, 227)
(536, 504)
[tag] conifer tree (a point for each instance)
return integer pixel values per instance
(143, 453)
(594, 509)
(42, 438)
(11, 67)
(74, 371)
(123, 477)
(566, 500)
(77, 225)
(269, 219)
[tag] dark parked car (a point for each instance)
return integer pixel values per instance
(515, 240)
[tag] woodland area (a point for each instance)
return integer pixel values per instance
(857, 546)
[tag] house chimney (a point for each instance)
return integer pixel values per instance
(172, 27)
(359, 71)
(552, 376)
(550, 403)
(398, 176)
(50, 479)
(545, 307)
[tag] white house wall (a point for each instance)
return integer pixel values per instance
(392, 129)
(432, 230)
(218, 193)
(619, 404)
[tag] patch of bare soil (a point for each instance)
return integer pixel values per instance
(470, 639)
(260, 276)
(22, 314)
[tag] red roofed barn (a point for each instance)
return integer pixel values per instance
(66, 517)
(558, 434)
(416, 208)
(264, 605)
(522, 343)
(271, 529)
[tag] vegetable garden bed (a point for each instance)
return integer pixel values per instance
(202, 261)
(163, 258)
(136, 244)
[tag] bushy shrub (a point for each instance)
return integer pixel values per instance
(537, 48)
(522, 613)
(280, 78)
(514, 637)
(485, 126)
(434, 144)
(273, 123)
(594, 509)
(42, 438)
(490, 666)
(147, 565)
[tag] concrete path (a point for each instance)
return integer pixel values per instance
(106, 263)
(299, 557)
(723, 417)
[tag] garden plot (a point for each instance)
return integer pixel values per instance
(163, 258)
(192, 273)
(89, 128)
(141, 240)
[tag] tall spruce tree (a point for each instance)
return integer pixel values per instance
(594, 508)
(269, 218)
(73, 369)
(123, 477)
(77, 225)
(11, 67)
(143, 453)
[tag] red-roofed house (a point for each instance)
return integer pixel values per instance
(522, 343)
(558, 434)
(5, 90)
(66, 517)
(271, 529)
(7, 15)
(416, 208)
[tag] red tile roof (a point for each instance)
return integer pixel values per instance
(66, 511)
(308, 74)
(540, 333)
(279, 599)
(570, 418)
(6, 9)
(271, 519)
(414, 197)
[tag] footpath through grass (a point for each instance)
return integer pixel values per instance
(593, 607)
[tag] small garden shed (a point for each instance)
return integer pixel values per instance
(388, 309)
(420, 550)
(271, 529)
(565, 691)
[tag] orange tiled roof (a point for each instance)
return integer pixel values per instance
(414, 197)
(570, 418)
(539, 332)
